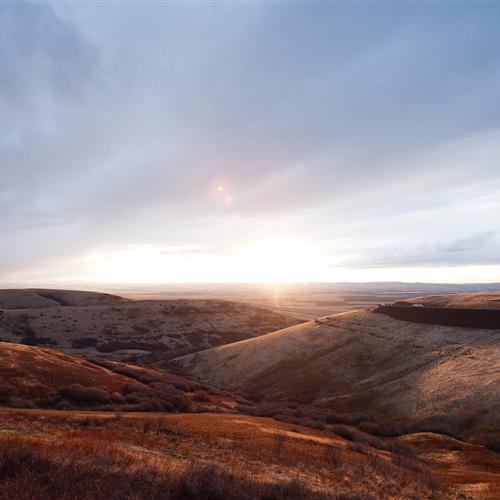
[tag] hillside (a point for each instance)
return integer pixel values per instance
(33, 298)
(150, 330)
(304, 300)
(169, 433)
(34, 372)
(435, 377)
(478, 300)
(210, 456)
(33, 377)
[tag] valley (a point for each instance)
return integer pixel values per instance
(349, 405)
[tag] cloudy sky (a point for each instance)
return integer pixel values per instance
(167, 142)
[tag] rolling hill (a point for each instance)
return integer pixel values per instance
(151, 330)
(33, 298)
(111, 416)
(34, 377)
(34, 372)
(84, 450)
(433, 377)
(478, 300)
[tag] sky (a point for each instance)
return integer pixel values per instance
(263, 141)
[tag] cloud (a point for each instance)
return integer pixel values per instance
(476, 249)
(470, 243)
(117, 119)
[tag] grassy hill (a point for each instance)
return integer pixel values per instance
(34, 372)
(125, 431)
(33, 298)
(434, 377)
(153, 330)
(34, 377)
(185, 456)
(478, 300)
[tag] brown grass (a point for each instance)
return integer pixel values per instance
(51, 454)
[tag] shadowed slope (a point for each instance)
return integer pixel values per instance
(32, 298)
(154, 330)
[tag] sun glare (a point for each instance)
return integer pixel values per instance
(276, 261)
(267, 261)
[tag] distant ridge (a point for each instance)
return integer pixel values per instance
(33, 298)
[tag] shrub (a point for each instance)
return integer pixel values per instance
(255, 396)
(343, 418)
(380, 430)
(157, 397)
(358, 448)
(131, 388)
(84, 342)
(85, 395)
(6, 392)
(201, 396)
(21, 403)
(493, 444)
(357, 436)
(33, 340)
(116, 397)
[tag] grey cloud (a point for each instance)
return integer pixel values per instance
(116, 118)
(473, 242)
(476, 249)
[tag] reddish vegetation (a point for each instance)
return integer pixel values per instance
(35, 372)
(34, 377)
(121, 431)
(469, 468)
(82, 455)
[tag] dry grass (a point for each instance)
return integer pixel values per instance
(476, 300)
(131, 330)
(50, 454)
(439, 378)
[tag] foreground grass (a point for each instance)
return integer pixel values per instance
(75, 455)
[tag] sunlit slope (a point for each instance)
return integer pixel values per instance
(478, 300)
(34, 371)
(369, 363)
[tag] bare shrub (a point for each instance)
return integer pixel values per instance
(358, 448)
(493, 444)
(201, 396)
(84, 342)
(379, 429)
(156, 397)
(6, 392)
(85, 395)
